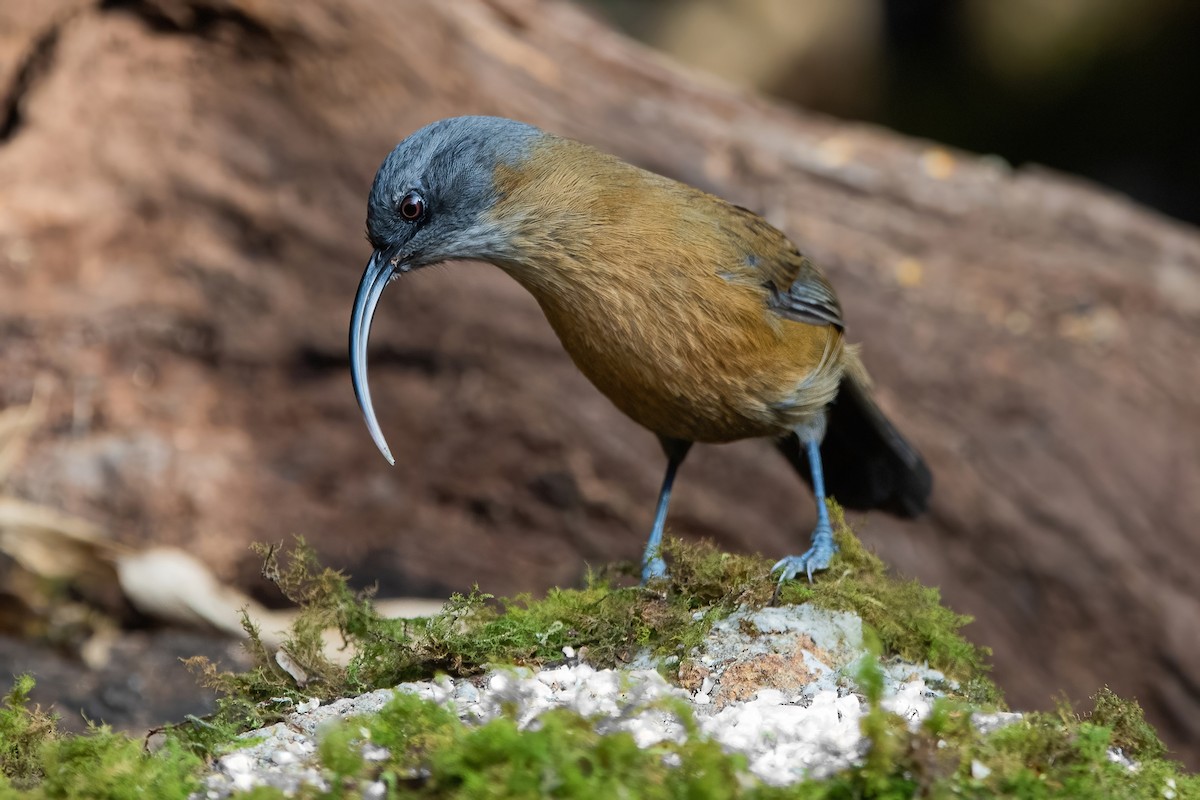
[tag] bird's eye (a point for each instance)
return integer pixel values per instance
(412, 207)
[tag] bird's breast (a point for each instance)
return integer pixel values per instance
(701, 361)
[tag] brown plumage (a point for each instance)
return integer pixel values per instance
(657, 292)
(697, 318)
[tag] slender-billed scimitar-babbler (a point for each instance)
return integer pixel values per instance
(696, 317)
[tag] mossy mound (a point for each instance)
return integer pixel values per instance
(608, 624)
(430, 753)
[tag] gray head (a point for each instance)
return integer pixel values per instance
(429, 204)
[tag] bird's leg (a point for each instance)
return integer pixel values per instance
(652, 564)
(823, 547)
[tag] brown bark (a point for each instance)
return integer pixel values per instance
(180, 236)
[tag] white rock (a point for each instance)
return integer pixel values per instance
(283, 757)
(772, 697)
(373, 752)
(244, 781)
(311, 704)
(236, 764)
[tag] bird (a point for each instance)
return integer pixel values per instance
(696, 317)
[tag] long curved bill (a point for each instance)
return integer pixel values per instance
(379, 271)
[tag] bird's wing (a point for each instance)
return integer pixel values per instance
(808, 298)
(798, 290)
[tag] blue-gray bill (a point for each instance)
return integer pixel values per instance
(379, 271)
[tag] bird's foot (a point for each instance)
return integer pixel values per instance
(653, 568)
(815, 558)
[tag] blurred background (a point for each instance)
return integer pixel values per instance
(1106, 89)
(182, 194)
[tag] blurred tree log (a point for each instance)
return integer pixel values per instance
(184, 186)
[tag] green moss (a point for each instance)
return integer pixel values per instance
(411, 729)
(39, 762)
(887, 733)
(1062, 755)
(269, 793)
(341, 752)
(112, 765)
(1040, 756)
(24, 731)
(265, 692)
(436, 756)
(1046, 756)
(1127, 721)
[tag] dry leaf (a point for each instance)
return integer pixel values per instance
(168, 584)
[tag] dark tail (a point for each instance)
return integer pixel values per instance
(867, 463)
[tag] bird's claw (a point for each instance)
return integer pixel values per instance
(812, 560)
(654, 568)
